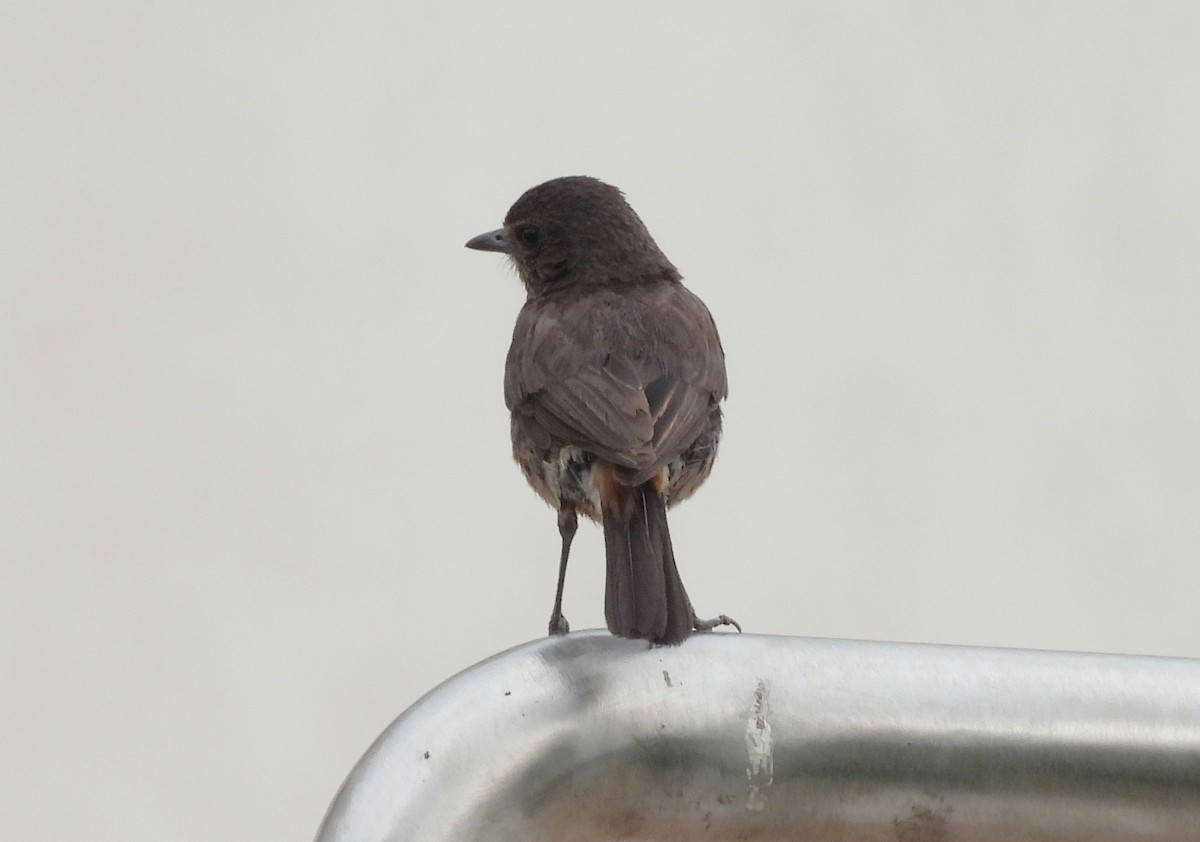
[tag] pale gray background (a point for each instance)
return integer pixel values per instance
(257, 488)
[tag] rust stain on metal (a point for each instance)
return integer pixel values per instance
(924, 824)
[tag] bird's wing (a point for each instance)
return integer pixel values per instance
(628, 374)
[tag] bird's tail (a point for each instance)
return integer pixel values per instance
(643, 595)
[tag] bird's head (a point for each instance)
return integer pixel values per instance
(576, 230)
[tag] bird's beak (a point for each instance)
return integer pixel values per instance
(491, 241)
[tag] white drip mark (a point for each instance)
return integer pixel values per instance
(760, 766)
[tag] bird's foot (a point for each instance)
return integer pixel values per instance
(720, 620)
(559, 625)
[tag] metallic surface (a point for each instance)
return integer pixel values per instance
(746, 737)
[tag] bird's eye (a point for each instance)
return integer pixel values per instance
(529, 236)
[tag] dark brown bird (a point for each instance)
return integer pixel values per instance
(614, 380)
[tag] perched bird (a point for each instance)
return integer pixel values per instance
(614, 380)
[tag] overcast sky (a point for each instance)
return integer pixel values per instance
(257, 488)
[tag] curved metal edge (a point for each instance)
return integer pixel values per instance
(744, 730)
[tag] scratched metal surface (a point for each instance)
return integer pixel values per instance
(755, 738)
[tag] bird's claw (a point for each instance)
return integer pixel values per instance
(559, 625)
(720, 620)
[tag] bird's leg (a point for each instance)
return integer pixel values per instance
(567, 523)
(708, 625)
